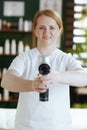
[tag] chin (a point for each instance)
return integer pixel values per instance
(48, 42)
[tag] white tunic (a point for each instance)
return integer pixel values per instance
(54, 114)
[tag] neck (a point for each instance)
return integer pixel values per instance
(46, 51)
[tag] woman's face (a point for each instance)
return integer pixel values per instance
(46, 30)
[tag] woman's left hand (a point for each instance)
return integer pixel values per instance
(50, 78)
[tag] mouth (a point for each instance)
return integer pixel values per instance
(46, 38)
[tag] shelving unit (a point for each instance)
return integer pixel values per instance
(6, 59)
(11, 31)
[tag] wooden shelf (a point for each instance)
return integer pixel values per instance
(14, 31)
(8, 104)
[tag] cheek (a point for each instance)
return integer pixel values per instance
(57, 34)
(38, 33)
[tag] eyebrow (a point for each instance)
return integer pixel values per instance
(49, 25)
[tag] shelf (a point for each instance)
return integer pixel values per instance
(11, 103)
(4, 55)
(5, 60)
(12, 98)
(25, 36)
(11, 31)
(8, 104)
(14, 31)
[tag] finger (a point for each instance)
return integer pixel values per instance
(48, 82)
(40, 90)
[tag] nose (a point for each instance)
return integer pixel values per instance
(46, 30)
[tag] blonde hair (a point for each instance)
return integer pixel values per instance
(51, 13)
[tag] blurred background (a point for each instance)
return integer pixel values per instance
(16, 35)
(75, 41)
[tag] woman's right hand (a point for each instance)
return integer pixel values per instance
(39, 86)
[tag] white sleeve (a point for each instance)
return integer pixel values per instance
(18, 64)
(72, 63)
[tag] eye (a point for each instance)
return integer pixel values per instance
(54, 28)
(51, 27)
(41, 27)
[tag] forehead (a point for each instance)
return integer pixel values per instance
(46, 20)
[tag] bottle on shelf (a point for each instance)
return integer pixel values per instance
(5, 91)
(26, 47)
(13, 47)
(0, 96)
(0, 78)
(8, 25)
(0, 73)
(5, 94)
(20, 24)
(7, 47)
(4, 25)
(1, 50)
(0, 24)
(20, 46)
(30, 25)
(26, 25)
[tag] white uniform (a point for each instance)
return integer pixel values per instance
(54, 114)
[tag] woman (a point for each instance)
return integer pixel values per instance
(22, 76)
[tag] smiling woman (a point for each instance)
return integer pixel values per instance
(47, 33)
(22, 76)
